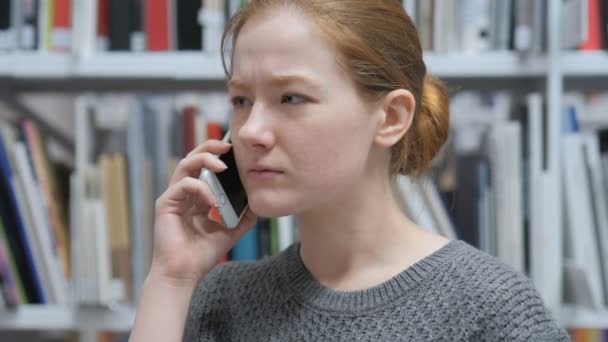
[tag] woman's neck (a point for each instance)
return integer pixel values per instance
(362, 239)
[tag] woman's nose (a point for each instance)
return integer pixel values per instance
(256, 131)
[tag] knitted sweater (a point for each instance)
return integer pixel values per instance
(456, 294)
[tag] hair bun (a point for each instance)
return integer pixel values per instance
(429, 129)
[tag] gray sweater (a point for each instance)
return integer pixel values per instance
(456, 294)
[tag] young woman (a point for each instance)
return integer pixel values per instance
(331, 100)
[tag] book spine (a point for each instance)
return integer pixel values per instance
(157, 25)
(20, 243)
(594, 41)
(62, 27)
(103, 25)
(119, 27)
(189, 31)
(7, 38)
(137, 35)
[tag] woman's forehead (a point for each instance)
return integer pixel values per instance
(286, 46)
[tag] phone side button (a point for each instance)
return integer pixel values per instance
(223, 199)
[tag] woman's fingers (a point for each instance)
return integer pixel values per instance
(213, 146)
(192, 165)
(180, 197)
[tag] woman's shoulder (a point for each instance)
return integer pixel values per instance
(225, 287)
(507, 302)
(488, 279)
(232, 278)
(484, 270)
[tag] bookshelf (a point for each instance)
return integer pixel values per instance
(25, 71)
(112, 66)
(61, 318)
(195, 66)
(584, 64)
(573, 317)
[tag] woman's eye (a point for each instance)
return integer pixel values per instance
(293, 99)
(239, 101)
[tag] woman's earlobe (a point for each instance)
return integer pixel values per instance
(397, 117)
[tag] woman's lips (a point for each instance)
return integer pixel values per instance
(263, 175)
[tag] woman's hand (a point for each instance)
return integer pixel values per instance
(188, 243)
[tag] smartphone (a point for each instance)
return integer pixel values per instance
(227, 189)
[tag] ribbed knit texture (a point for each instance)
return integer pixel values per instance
(456, 294)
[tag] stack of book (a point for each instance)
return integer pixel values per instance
(474, 26)
(34, 237)
(585, 180)
(114, 25)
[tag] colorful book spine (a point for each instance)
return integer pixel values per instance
(62, 31)
(246, 249)
(45, 175)
(157, 25)
(594, 42)
(20, 243)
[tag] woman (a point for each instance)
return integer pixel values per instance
(331, 101)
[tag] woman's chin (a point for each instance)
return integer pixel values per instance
(270, 206)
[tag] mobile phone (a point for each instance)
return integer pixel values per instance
(227, 189)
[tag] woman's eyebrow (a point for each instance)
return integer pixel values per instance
(276, 80)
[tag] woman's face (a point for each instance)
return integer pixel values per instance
(301, 133)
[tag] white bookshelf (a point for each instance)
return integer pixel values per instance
(65, 318)
(503, 64)
(203, 67)
(584, 63)
(116, 65)
(552, 67)
(574, 317)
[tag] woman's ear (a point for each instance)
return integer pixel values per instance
(396, 116)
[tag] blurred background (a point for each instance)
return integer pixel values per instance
(99, 99)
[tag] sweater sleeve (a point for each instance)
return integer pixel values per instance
(517, 313)
(209, 310)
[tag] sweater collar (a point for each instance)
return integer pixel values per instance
(299, 283)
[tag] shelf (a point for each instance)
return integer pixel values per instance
(575, 317)
(202, 67)
(498, 64)
(118, 65)
(63, 318)
(584, 63)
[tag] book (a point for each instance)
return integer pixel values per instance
(53, 277)
(7, 37)
(103, 24)
(600, 204)
(45, 174)
(20, 242)
(581, 247)
(113, 168)
(45, 24)
(139, 162)
(285, 227)
(595, 35)
(574, 16)
(246, 249)
(157, 25)
(27, 36)
(504, 148)
(189, 31)
(62, 27)
(136, 26)
(85, 22)
(119, 27)
(12, 292)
